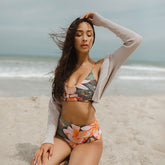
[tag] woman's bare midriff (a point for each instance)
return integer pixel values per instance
(78, 113)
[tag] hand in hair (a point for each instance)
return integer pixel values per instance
(88, 16)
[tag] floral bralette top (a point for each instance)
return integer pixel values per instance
(82, 91)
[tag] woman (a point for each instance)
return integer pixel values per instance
(78, 86)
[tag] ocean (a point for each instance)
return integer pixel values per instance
(31, 76)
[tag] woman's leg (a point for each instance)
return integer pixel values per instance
(60, 152)
(87, 153)
(65, 161)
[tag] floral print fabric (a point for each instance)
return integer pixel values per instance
(77, 134)
(82, 91)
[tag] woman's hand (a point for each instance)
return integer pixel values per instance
(95, 18)
(88, 15)
(41, 153)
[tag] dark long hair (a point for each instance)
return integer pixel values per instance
(67, 63)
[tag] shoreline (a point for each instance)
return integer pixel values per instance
(42, 87)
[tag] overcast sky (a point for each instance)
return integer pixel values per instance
(25, 24)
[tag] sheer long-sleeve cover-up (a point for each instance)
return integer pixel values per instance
(110, 65)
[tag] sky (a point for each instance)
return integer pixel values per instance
(25, 25)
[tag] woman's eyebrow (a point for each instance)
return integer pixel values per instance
(83, 31)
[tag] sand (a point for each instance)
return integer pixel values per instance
(133, 129)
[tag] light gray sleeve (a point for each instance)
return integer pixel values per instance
(52, 123)
(131, 40)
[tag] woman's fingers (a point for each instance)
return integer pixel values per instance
(44, 158)
(83, 16)
(88, 15)
(51, 153)
(37, 157)
(47, 154)
(43, 153)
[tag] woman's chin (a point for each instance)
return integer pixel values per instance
(84, 50)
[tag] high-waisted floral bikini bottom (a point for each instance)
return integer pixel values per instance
(78, 134)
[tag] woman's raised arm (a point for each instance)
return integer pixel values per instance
(131, 40)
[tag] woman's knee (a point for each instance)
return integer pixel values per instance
(87, 153)
(60, 151)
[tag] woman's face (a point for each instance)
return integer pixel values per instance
(84, 37)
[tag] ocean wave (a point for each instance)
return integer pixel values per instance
(141, 78)
(144, 68)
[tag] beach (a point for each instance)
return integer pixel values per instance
(130, 114)
(133, 129)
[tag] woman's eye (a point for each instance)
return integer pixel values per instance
(89, 34)
(78, 35)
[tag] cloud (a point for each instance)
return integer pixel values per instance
(29, 18)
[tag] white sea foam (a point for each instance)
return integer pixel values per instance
(41, 68)
(32, 77)
(140, 78)
(144, 68)
(141, 72)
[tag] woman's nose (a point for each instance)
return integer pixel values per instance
(84, 38)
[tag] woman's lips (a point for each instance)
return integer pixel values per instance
(84, 46)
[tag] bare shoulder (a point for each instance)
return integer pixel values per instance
(98, 66)
(99, 63)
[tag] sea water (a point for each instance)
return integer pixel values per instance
(32, 76)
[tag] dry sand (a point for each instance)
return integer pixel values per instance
(133, 129)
